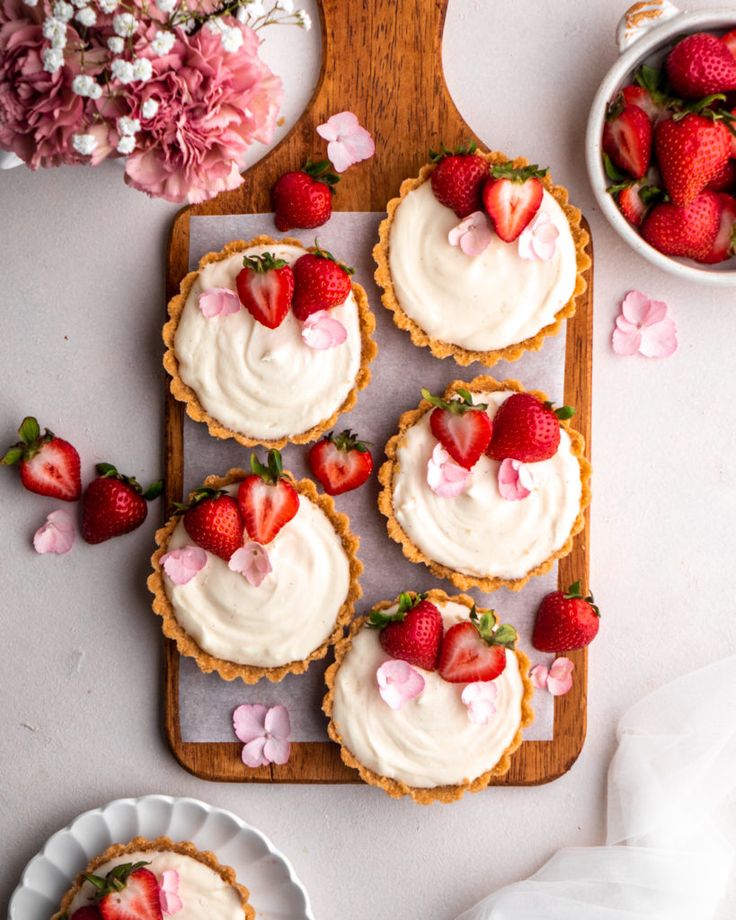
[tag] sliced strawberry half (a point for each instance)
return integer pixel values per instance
(627, 138)
(265, 288)
(412, 633)
(461, 426)
(48, 465)
(724, 245)
(475, 650)
(511, 198)
(341, 462)
(267, 498)
(130, 891)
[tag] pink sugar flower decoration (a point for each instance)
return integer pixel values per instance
(445, 477)
(168, 892)
(479, 698)
(264, 732)
(321, 331)
(557, 678)
(398, 682)
(181, 565)
(644, 326)
(252, 562)
(218, 302)
(56, 535)
(472, 235)
(538, 240)
(515, 480)
(348, 141)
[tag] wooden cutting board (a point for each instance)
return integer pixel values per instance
(382, 61)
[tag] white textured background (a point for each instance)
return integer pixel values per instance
(81, 297)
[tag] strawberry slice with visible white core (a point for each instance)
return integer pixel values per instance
(724, 245)
(266, 288)
(461, 426)
(511, 198)
(475, 650)
(267, 499)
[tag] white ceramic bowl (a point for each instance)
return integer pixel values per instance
(645, 34)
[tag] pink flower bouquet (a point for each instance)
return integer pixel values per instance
(177, 88)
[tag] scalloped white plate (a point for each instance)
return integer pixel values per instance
(275, 891)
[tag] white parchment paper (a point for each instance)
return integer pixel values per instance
(399, 371)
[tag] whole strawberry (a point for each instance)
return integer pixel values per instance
(475, 650)
(341, 462)
(304, 198)
(114, 504)
(130, 891)
(526, 429)
(265, 288)
(48, 465)
(684, 231)
(412, 633)
(267, 498)
(691, 152)
(320, 283)
(701, 65)
(511, 198)
(461, 426)
(213, 520)
(565, 621)
(458, 178)
(627, 138)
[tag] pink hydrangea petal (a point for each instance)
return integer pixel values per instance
(481, 711)
(559, 680)
(169, 898)
(472, 234)
(656, 313)
(398, 682)
(181, 565)
(321, 331)
(349, 142)
(624, 325)
(538, 676)
(479, 690)
(341, 123)
(509, 485)
(445, 477)
(252, 562)
(249, 721)
(276, 750)
(544, 249)
(253, 752)
(56, 535)
(218, 302)
(660, 339)
(635, 307)
(626, 343)
(277, 722)
(538, 240)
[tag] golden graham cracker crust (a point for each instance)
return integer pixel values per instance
(462, 355)
(159, 845)
(481, 384)
(189, 397)
(396, 788)
(230, 670)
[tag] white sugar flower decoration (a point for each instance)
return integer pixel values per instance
(162, 43)
(348, 141)
(87, 16)
(63, 11)
(126, 145)
(124, 25)
(55, 31)
(149, 108)
(85, 144)
(56, 535)
(122, 70)
(142, 69)
(127, 125)
(116, 44)
(52, 59)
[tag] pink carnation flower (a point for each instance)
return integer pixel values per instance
(212, 105)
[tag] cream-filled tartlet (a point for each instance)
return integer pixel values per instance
(144, 877)
(428, 697)
(254, 383)
(250, 604)
(462, 290)
(500, 516)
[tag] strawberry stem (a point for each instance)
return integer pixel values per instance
(458, 406)
(325, 254)
(491, 634)
(507, 170)
(272, 470)
(461, 150)
(322, 172)
(377, 619)
(263, 263)
(347, 441)
(31, 441)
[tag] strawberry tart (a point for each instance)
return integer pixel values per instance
(486, 485)
(268, 342)
(154, 879)
(256, 575)
(481, 257)
(428, 697)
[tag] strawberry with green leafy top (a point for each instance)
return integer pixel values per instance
(475, 650)
(303, 198)
(48, 465)
(265, 288)
(526, 429)
(341, 462)
(458, 177)
(320, 283)
(701, 65)
(461, 426)
(212, 519)
(267, 498)
(114, 504)
(566, 620)
(511, 198)
(130, 891)
(413, 632)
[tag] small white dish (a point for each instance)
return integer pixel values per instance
(645, 31)
(275, 891)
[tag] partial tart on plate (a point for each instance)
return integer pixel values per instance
(501, 516)
(156, 878)
(256, 578)
(253, 383)
(454, 284)
(428, 697)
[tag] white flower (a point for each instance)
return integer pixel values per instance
(232, 39)
(124, 24)
(149, 108)
(256, 8)
(286, 5)
(127, 125)
(84, 143)
(142, 69)
(52, 59)
(55, 31)
(304, 20)
(87, 16)
(63, 11)
(166, 6)
(188, 25)
(84, 85)
(31, 3)
(126, 144)
(122, 70)
(116, 44)
(163, 43)
(80, 3)
(108, 6)
(216, 26)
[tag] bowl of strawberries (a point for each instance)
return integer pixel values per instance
(661, 140)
